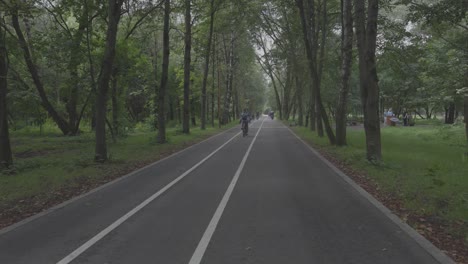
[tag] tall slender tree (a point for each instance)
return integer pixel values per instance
(164, 76)
(366, 34)
(465, 102)
(5, 149)
(33, 70)
(346, 60)
(229, 60)
(114, 13)
(73, 64)
(207, 62)
(213, 78)
(187, 64)
(310, 32)
(264, 62)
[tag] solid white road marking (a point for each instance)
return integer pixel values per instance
(435, 252)
(122, 219)
(205, 240)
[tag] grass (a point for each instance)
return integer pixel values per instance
(425, 166)
(45, 161)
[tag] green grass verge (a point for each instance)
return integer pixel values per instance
(425, 166)
(45, 161)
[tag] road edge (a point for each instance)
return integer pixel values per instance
(435, 252)
(67, 202)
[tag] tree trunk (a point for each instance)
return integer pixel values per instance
(465, 115)
(229, 79)
(179, 111)
(207, 63)
(287, 91)
(73, 99)
(300, 108)
(104, 78)
(366, 42)
(171, 108)
(213, 89)
(428, 112)
(236, 112)
(277, 96)
(465, 105)
(323, 112)
(219, 93)
(115, 101)
(61, 123)
(294, 107)
(347, 55)
(318, 114)
(450, 114)
(161, 137)
(316, 79)
(192, 110)
(308, 30)
(269, 70)
(6, 159)
(312, 119)
(326, 122)
(187, 59)
(74, 82)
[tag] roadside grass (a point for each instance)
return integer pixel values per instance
(424, 166)
(431, 122)
(46, 162)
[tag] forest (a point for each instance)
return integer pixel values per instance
(107, 66)
(91, 82)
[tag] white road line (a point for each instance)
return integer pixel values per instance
(205, 240)
(122, 219)
(131, 174)
(435, 252)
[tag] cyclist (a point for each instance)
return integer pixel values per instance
(245, 119)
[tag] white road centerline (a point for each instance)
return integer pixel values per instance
(122, 219)
(205, 240)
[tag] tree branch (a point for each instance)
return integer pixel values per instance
(147, 13)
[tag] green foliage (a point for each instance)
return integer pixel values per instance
(47, 162)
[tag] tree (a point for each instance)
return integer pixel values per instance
(74, 55)
(366, 34)
(164, 77)
(6, 159)
(187, 63)
(114, 13)
(265, 63)
(207, 62)
(33, 70)
(229, 55)
(310, 33)
(441, 17)
(346, 57)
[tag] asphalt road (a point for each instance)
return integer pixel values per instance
(266, 198)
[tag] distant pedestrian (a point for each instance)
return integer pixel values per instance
(405, 119)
